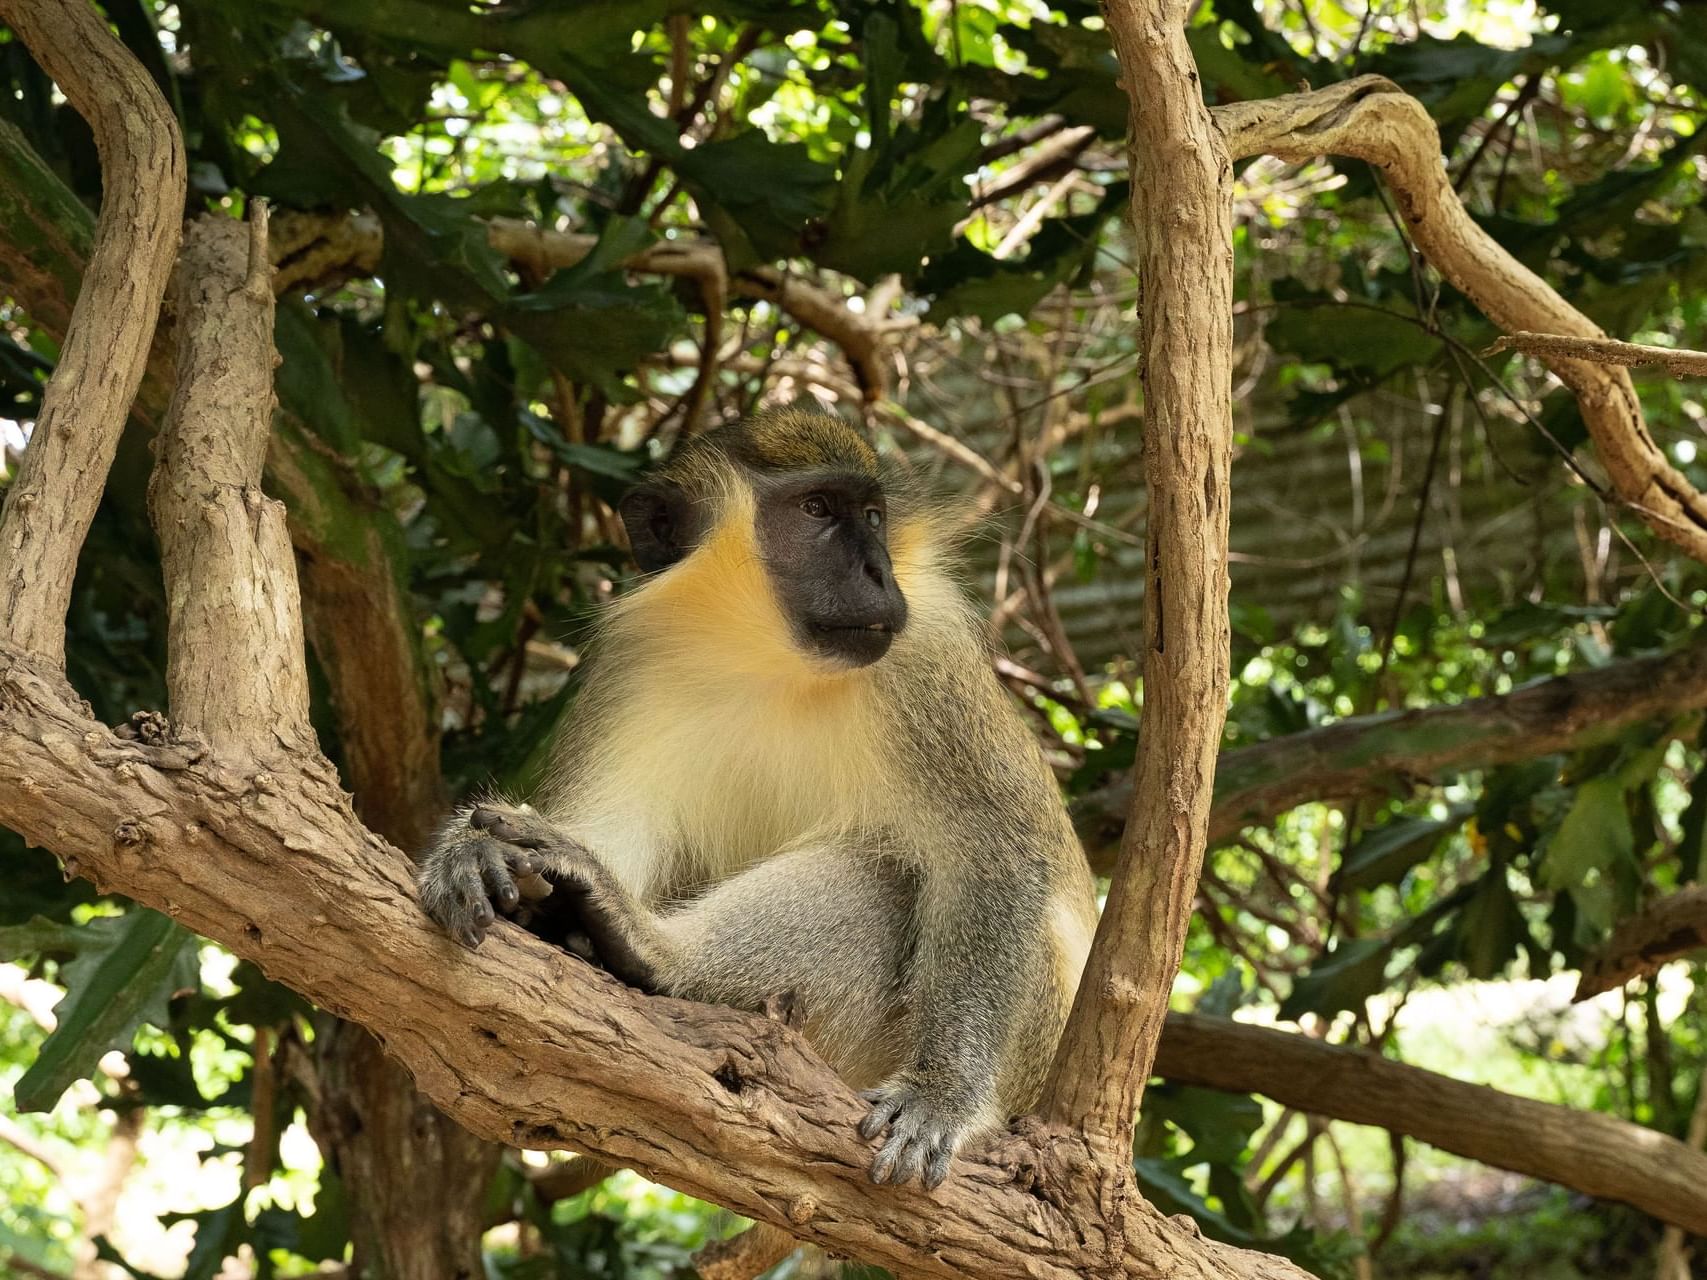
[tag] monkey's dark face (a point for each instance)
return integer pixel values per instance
(825, 540)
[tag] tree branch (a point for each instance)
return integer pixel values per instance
(1666, 930)
(1599, 1155)
(524, 1044)
(51, 504)
(355, 602)
(1679, 362)
(234, 667)
(1182, 216)
(1371, 119)
(1391, 751)
(316, 248)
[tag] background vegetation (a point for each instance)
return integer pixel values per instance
(910, 213)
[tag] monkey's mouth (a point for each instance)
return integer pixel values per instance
(852, 644)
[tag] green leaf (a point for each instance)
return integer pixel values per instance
(1384, 855)
(1352, 972)
(1592, 839)
(1367, 339)
(127, 968)
(1492, 927)
(1220, 1125)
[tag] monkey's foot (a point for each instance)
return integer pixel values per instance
(468, 877)
(924, 1134)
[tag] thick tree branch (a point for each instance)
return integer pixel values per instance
(234, 667)
(1667, 930)
(1392, 751)
(1599, 1155)
(1679, 362)
(526, 1045)
(50, 505)
(316, 249)
(1182, 216)
(1371, 119)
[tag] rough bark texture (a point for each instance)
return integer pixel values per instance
(1677, 361)
(527, 1045)
(1182, 213)
(1394, 750)
(1667, 930)
(416, 1177)
(234, 673)
(1596, 1154)
(83, 413)
(350, 549)
(1372, 119)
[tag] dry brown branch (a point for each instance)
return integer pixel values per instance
(1677, 361)
(1673, 1263)
(51, 503)
(1371, 119)
(234, 668)
(1182, 216)
(315, 249)
(526, 1045)
(1666, 930)
(1395, 750)
(745, 1256)
(1599, 1155)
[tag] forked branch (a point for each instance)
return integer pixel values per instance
(51, 504)
(1372, 119)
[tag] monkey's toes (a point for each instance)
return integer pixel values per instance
(922, 1139)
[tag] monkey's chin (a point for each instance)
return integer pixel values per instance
(849, 648)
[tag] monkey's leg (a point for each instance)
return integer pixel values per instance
(831, 925)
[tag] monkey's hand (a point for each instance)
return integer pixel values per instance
(466, 873)
(587, 911)
(925, 1130)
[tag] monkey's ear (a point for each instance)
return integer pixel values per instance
(661, 524)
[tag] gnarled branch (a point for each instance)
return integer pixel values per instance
(1372, 119)
(1666, 930)
(234, 666)
(51, 504)
(1680, 362)
(316, 248)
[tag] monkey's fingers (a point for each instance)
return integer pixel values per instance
(920, 1144)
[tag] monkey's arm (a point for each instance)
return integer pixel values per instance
(979, 937)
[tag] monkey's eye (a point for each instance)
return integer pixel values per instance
(874, 517)
(815, 506)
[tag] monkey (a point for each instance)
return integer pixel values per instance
(792, 769)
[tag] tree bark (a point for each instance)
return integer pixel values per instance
(1596, 1154)
(1666, 930)
(362, 626)
(1182, 201)
(106, 350)
(524, 1044)
(1392, 751)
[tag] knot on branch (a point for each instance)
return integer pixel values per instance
(151, 728)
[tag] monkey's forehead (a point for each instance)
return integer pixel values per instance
(799, 439)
